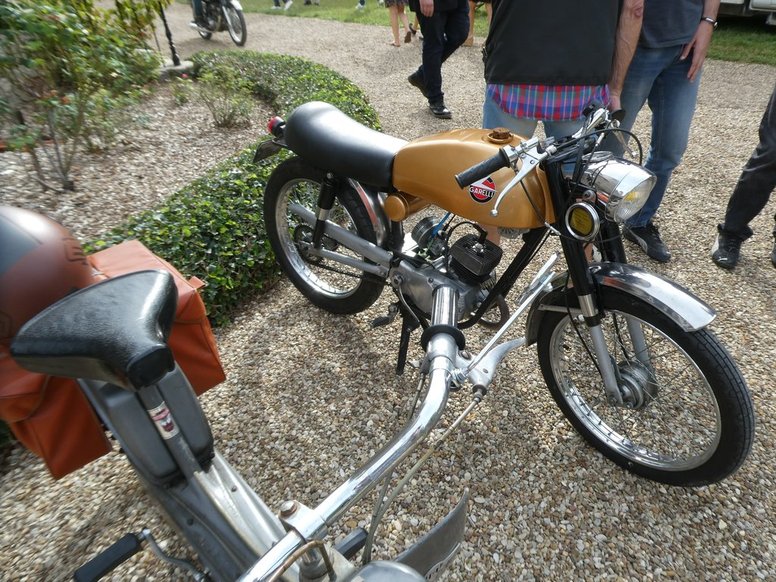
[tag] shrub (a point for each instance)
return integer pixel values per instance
(65, 67)
(227, 96)
(213, 228)
(181, 89)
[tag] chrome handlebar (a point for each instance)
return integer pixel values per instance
(442, 350)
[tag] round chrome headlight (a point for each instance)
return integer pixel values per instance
(626, 184)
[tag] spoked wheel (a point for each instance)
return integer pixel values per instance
(235, 24)
(687, 417)
(329, 284)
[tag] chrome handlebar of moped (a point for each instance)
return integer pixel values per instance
(441, 353)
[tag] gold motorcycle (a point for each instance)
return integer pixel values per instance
(626, 353)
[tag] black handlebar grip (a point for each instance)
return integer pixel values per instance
(482, 170)
(108, 559)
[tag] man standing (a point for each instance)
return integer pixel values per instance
(546, 61)
(445, 26)
(665, 73)
(754, 187)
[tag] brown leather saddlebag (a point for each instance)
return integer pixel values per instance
(52, 417)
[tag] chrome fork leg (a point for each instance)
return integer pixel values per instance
(605, 365)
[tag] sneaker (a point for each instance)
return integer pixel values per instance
(288, 4)
(277, 8)
(648, 238)
(440, 111)
(726, 250)
(359, 6)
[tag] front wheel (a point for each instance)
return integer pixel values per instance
(330, 285)
(687, 417)
(235, 24)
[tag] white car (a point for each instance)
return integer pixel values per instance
(750, 8)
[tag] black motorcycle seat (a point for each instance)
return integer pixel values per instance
(331, 140)
(114, 331)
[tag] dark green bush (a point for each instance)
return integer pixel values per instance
(213, 228)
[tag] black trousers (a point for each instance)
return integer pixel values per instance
(443, 33)
(757, 180)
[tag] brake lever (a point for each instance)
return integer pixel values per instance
(531, 156)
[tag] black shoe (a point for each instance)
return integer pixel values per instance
(439, 110)
(726, 250)
(648, 238)
(416, 81)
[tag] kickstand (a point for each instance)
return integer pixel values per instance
(409, 323)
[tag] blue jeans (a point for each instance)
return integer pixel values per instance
(659, 78)
(494, 116)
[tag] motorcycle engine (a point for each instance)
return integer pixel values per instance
(473, 258)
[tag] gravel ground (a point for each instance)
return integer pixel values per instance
(544, 505)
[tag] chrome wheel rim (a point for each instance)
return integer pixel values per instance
(329, 278)
(677, 429)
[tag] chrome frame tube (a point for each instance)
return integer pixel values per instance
(442, 351)
(345, 237)
(378, 270)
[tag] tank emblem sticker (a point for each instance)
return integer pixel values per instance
(164, 421)
(483, 190)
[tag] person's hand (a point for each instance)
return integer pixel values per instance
(614, 101)
(699, 45)
(427, 8)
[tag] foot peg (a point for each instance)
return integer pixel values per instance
(393, 311)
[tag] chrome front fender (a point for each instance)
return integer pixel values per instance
(668, 297)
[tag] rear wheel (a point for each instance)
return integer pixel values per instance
(687, 417)
(235, 24)
(328, 284)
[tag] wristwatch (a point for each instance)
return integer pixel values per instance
(710, 20)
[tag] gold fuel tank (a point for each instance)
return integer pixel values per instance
(424, 170)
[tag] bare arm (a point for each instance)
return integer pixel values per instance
(699, 45)
(628, 30)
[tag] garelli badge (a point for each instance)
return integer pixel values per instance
(483, 190)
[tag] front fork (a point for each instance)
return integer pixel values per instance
(582, 281)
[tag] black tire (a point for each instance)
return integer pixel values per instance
(691, 421)
(235, 24)
(344, 291)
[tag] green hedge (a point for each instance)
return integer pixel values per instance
(213, 228)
